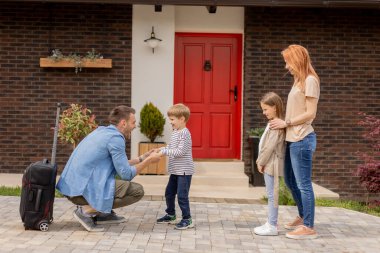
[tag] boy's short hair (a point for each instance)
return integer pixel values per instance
(179, 110)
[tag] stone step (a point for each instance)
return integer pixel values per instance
(219, 168)
(207, 193)
(227, 181)
(226, 174)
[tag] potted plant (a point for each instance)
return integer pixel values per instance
(75, 123)
(254, 135)
(152, 123)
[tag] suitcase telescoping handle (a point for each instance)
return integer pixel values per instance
(56, 127)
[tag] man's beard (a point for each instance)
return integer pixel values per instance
(127, 135)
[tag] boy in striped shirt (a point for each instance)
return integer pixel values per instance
(181, 167)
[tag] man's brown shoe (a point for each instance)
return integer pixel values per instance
(302, 232)
(294, 224)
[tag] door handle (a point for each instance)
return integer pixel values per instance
(235, 91)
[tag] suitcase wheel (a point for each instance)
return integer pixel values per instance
(43, 226)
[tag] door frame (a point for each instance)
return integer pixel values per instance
(239, 71)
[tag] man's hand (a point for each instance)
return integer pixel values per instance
(145, 155)
(157, 150)
(154, 157)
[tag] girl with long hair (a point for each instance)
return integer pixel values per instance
(270, 160)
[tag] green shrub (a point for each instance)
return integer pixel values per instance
(75, 123)
(256, 132)
(152, 122)
(285, 197)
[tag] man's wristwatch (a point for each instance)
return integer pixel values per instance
(140, 159)
(288, 122)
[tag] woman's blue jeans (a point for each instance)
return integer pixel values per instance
(178, 185)
(297, 175)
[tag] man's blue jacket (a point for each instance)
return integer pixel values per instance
(91, 169)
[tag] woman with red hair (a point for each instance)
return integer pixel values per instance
(300, 138)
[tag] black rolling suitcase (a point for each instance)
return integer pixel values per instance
(38, 189)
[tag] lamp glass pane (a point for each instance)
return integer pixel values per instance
(153, 43)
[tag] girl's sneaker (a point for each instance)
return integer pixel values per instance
(266, 229)
(184, 224)
(171, 219)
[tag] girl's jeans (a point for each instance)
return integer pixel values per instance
(178, 185)
(272, 211)
(297, 175)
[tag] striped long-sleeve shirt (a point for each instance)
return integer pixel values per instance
(180, 152)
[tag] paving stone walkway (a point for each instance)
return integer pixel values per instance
(220, 227)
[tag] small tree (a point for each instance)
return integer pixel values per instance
(76, 123)
(152, 122)
(369, 172)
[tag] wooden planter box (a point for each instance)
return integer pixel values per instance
(96, 63)
(154, 168)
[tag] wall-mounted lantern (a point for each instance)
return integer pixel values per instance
(153, 42)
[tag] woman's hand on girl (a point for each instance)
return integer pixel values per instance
(277, 124)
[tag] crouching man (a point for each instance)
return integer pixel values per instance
(88, 179)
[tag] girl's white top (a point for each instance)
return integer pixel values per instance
(261, 139)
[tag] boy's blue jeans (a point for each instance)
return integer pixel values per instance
(178, 185)
(297, 175)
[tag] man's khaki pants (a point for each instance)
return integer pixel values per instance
(126, 193)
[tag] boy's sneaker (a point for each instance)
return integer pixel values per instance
(266, 229)
(86, 221)
(109, 218)
(184, 224)
(302, 232)
(171, 219)
(294, 224)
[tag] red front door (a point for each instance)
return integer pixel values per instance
(208, 80)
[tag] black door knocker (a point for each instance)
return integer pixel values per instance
(207, 65)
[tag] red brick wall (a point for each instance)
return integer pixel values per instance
(345, 49)
(28, 93)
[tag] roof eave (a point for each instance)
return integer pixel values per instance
(373, 4)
